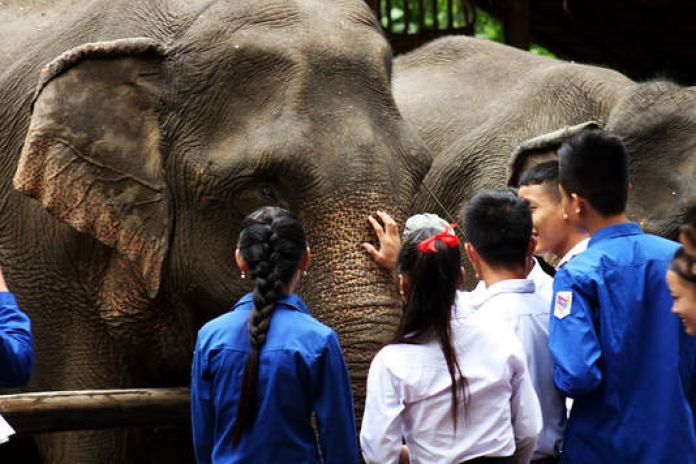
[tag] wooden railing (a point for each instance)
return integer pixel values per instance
(410, 23)
(43, 412)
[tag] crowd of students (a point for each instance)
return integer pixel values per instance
(484, 376)
(480, 376)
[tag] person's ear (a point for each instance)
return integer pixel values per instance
(579, 204)
(241, 264)
(471, 253)
(462, 272)
(306, 259)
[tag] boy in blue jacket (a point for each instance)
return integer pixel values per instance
(616, 345)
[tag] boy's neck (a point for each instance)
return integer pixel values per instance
(574, 237)
(493, 275)
(593, 221)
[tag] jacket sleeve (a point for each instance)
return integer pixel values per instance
(573, 341)
(16, 344)
(202, 408)
(525, 408)
(381, 431)
(333, 405)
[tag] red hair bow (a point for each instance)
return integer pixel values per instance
(446, 236)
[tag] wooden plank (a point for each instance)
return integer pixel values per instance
(450, 15)
(57, 411)
(421, 10)
(407, 15)
(516, 23)
(436, 25)
(390, 25)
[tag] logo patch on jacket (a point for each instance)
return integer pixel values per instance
(561, 307)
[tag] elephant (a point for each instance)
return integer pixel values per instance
(136, 135)
(488, 111)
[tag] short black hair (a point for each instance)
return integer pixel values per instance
(545, 174)
(499, 225)
(593, 164)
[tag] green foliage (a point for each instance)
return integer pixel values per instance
(485, 25)
(459, 15)
(539, 50)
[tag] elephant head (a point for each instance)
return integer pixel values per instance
(158, 147)
(657, 123)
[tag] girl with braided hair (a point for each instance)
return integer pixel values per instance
(261, 370)
(454, 389)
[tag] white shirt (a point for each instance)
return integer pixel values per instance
(408, 395)
(527, 314)
(542, 282)
(576, 250)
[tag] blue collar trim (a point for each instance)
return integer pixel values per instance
(618, 230)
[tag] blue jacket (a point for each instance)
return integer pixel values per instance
(301, 370)
(622, 354)
(16, 344)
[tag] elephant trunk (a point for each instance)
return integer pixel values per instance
(344, 288)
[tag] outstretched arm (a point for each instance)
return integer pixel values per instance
(16, 344)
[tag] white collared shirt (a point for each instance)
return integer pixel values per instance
(576, 250)
(543, 284)
(408, 395)
(527, 313)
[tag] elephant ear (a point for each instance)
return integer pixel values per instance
(92, 154)
(540, 149)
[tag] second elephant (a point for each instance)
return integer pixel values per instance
(476, 104)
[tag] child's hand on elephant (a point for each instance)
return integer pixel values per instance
(389, 241)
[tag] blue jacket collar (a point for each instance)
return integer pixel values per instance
(618, 230)
(287, 301)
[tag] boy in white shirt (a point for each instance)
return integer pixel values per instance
(498, 227)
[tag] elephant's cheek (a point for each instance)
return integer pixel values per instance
(344, 288)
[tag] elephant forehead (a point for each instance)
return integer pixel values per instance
(302, 26)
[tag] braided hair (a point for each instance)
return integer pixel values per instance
(272, 243)
(434, 278)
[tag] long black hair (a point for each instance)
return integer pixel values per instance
(433, 278)
(272, 243)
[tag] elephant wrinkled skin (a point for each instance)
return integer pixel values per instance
(144, 131)
(474, 102)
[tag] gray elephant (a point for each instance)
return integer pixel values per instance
(138, 134)
(476, 102)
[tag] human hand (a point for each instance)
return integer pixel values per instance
(389, 241)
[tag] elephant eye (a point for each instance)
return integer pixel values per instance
(267, 192)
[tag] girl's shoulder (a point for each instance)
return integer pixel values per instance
(401, 358)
